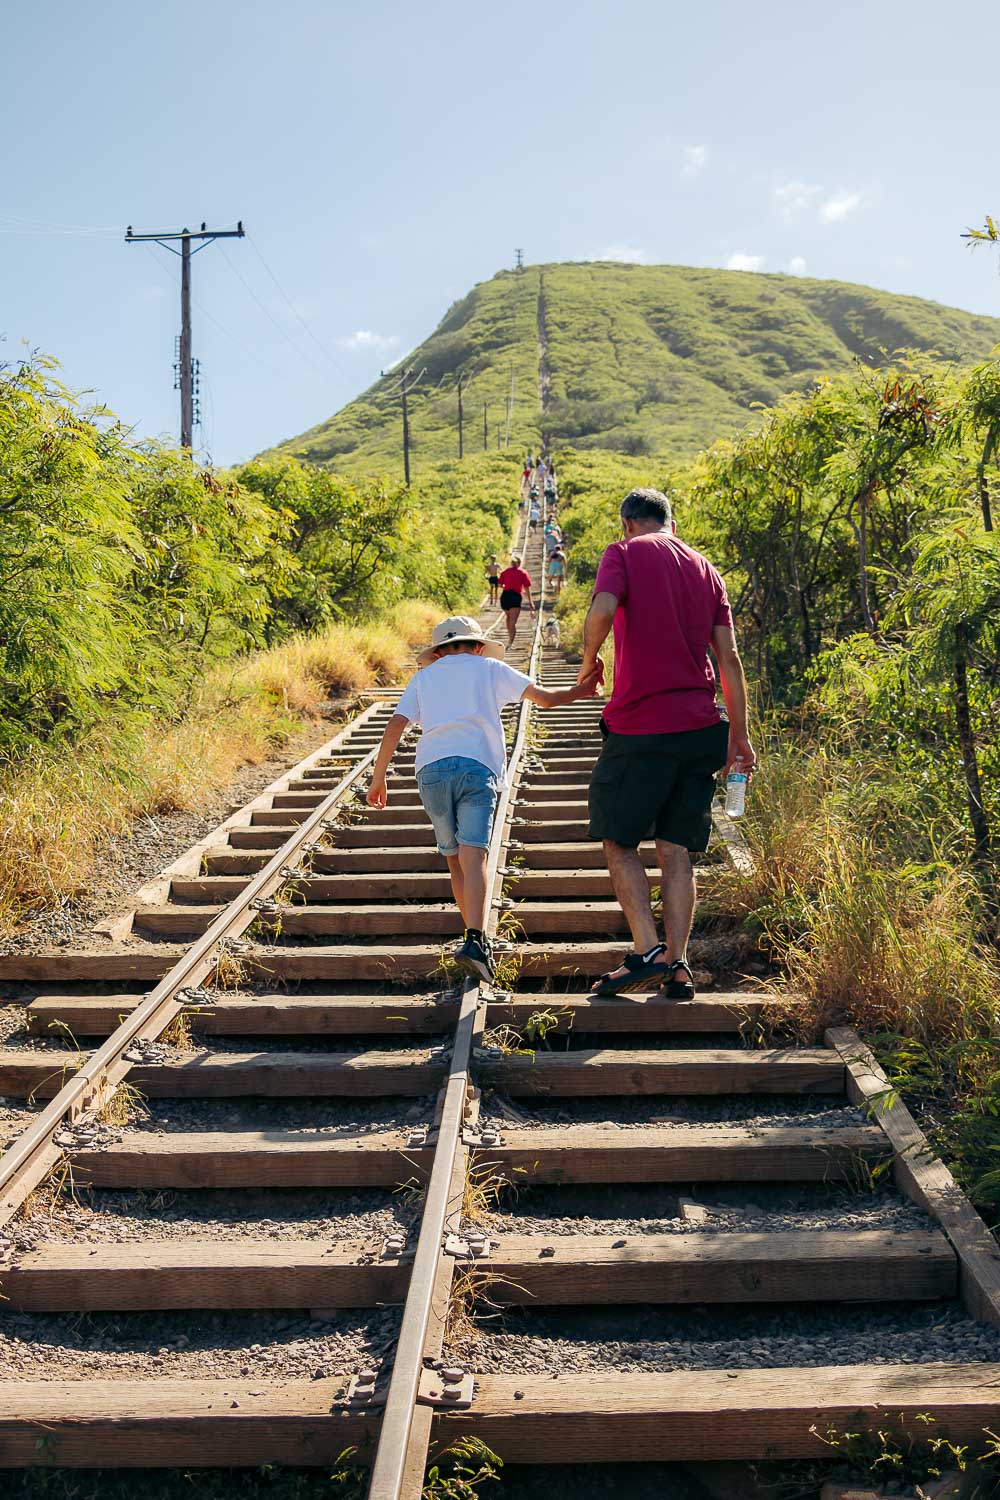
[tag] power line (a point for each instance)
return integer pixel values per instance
(296, 314)
(270, 316)
(207, 312)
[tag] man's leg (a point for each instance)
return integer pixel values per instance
(472, 862)
(457, 883)
(631, 887)
(512, 619)
(679, 892)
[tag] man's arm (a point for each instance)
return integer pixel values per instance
(378, 792)
(556, 697)
(596, 626)
(734, 690)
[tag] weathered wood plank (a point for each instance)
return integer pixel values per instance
(819, 1265)
(343, 961)
(173, 1423)
(689, 1415)
(794, 1070)
(583, 1153)
(592, 1153)
(160, 1274)
(392, 884)
(614, 1416)
(257, 1015)
(925, 1178)
(585, 1269)
(228, 1075)
(725, 1011)
(375, 920)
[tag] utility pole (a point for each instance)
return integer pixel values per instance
(185, 363)
(406, 385)
(486, 436)
(499, 433)
(460, 452)
(510, 404)
(520, 260)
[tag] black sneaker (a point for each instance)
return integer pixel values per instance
(474, 957)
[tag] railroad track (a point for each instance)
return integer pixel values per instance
(301, 1040)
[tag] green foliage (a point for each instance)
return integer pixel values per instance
(642, 360)
(127, 572)
(121, 565)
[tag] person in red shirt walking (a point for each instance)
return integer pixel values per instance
(514, 584)
(664, 736)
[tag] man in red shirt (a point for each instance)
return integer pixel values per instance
(664, 737)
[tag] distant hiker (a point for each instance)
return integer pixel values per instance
(531, 459)
(549, 487)
(664, 737)
(493, 579)
(552, 537)
(514, 584)
(540, 470)
(461, 760)
(556, 570)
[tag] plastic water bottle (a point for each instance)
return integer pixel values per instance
(736, 790)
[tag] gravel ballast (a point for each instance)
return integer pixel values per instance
(651, 1339)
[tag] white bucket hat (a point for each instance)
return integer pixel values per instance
(455, 629)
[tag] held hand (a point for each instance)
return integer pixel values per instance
(377, 792)
(740, 748)
(589, 687)
(590, 669)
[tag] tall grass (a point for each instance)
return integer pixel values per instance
(59, 811)
(860, 889)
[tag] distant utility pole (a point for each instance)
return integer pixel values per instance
(185, 364)
(460, 452)
(520, 260)
(486, 436)
(406, 385)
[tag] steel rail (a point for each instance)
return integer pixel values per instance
(105, 1068)
(392, 1454)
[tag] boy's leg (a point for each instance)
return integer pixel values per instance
(458, 883)
(472, 873)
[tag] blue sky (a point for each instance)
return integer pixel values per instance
(386, 156)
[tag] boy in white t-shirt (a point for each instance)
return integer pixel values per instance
(461, 760)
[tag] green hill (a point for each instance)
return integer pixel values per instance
(641, 359)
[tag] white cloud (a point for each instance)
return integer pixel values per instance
(792, 198)
(364, 338)
(632, 255)
(839, 206)
(797, 265)
(695, 160)
(742, 262)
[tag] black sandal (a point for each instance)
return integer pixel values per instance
(640, 966)
(678, 989)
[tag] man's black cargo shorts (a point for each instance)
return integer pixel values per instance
(657, 785)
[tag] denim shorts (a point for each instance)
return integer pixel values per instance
(460, 798)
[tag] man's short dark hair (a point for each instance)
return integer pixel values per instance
(646, 505)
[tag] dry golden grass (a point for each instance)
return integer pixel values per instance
(874, 918)
(58, 811)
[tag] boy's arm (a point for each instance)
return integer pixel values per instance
(555, 697)
(378, 792)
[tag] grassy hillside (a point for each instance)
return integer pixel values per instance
(641, 359)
